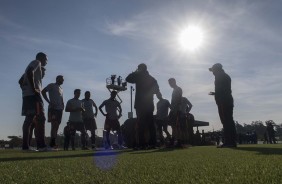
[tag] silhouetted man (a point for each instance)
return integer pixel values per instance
(75, 107)
(224, 100)
(163, 106)
(32, 102)
(175, 113)
(186, 107)
(112, 118)
(89, 116)
(146, 87)
(56, 107)
(32, 126)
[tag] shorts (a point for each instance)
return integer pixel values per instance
(112, 124)
(79, 126)
(90, 124)
(161, 123)
(32, 106)
(55, 115)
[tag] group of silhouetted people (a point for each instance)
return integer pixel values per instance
(149, 128)
(146, 88)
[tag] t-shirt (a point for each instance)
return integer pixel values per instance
(111, 108)
(176, 99)
(73, 104)
(55, 95)
(88, 106)
(162, 109)
(27, 89)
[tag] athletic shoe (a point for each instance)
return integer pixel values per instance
(44, 149)
(121, 147)
(109, 148)
(54, 149)
(29, 150)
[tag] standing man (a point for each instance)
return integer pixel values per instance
(162, 118)
(89, 116)
(146, 87)
(186, 107)
(32, 102)
(56, 107)
(111, 122)
(75, 107)
(176, 100)
(224, 100)
(32, 126)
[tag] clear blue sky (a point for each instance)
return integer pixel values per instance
(87, 41)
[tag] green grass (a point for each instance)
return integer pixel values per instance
(245, 164)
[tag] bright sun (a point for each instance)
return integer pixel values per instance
(191, 38)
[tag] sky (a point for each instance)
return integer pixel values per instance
(88, 41)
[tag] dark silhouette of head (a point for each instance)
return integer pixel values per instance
(216, 68)
(172, 82)
(42, 57)
(142, 67)
(113, 95)
(87, 95)
(76, 93)
(60, 79)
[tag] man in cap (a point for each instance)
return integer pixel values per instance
(224, 100)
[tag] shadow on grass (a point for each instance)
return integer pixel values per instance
(38, 156)
(262, 150)
(152, 151)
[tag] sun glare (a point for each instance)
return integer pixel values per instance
(191, 38)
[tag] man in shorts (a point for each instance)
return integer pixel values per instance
(32, 102)
(75, 108)
(111, 122)
(32, 126)
(162, 118)
(56, 107)
(185, 108)
(174, 114)
(89, 116)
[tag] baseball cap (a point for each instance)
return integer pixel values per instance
(216, 66)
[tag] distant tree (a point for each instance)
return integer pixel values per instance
(256, 126)
(15, 141)
(259, 128)
(240, 129)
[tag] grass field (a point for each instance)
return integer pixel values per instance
(207, 164)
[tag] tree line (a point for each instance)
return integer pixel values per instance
(259, 127)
